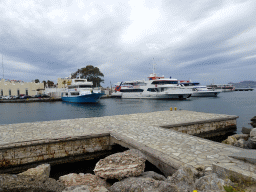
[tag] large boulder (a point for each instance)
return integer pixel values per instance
(121, 165)
(253, 124)
(77, 188)
(246, 130)
(41, 171)
(24, 183)
(140, 184)
(230, 140)
(84, 188)
(211, 183)
(184, 178)
(241, 136)
(250, 143)
(253, 132)
(253, 119)
(153, 175)
(88, 179)
(240, 143)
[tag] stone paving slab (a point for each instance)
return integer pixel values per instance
(247, 155)
(143, 128)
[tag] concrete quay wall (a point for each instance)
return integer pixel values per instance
(206, 129)
(23, 153)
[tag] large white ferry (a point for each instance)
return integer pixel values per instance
(154, 88)
(81, 91)
(199, 90)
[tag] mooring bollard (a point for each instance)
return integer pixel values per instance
(170, 108)
(175, 108)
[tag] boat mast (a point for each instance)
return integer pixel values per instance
(3, 66)
(154, 67)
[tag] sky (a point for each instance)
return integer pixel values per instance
(207, 41)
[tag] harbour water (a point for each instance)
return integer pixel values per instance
(242, 104)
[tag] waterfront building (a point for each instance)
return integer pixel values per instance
(17, 87)
(64, 82)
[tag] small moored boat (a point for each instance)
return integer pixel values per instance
(81, 91)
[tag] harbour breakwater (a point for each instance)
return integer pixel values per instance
(27, 144)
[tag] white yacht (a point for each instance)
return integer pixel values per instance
(154, 88)
(199, 90)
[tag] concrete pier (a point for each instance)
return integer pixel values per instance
(151, 133)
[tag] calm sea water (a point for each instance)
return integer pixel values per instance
(242, 104)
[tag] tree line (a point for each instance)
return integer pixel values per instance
(89, 72)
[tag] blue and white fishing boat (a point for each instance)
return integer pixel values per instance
(81, 91)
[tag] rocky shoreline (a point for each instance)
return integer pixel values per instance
(122, 171)
(246, 140)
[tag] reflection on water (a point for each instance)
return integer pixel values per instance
(242, 104)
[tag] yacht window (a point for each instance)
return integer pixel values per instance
(73, 86)
(142, 84)
(152, 90)
(80, 80)
(85, 86)
(164, 82)
(131, 90)
(74, 93)
(66, 94)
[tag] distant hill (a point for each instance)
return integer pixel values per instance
(244, 84)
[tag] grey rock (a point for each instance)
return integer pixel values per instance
(26, 183)
(253, 132)
(153, 175)
(78, 188)
(211, 183)
(230, 140)
(121, 165)
(253, 142)
(240, 143)
(139, 184)
(84, 188)
(184, 178)
(253, 124)
(253, 119)
(241, 136)
(88, 179)
(42, 171)
(246, 130)
(250, 144)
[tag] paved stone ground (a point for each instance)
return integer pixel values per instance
(142, 128)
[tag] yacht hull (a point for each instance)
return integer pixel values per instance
(90, 98)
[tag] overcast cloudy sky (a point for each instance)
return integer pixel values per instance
(202, 40)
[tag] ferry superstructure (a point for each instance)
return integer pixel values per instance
(153, 88)
(222, 87)
(81, 91)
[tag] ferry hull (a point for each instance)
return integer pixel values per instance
(156, 96)
(205, 94)
(91, 98)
